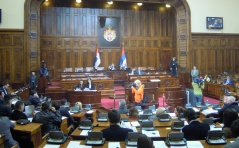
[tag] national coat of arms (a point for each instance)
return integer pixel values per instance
(109, 34)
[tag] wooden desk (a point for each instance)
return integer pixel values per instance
(122, 144)
(31, 131)
(215, 90)
(1, 141)
(85, 97)
(78, 116)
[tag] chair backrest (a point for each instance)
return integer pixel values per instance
(68, 70)
(78, 69)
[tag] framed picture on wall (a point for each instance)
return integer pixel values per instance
(214, 22)
(109, 35)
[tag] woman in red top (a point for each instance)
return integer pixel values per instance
(138, 91)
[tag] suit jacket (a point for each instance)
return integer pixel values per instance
(70, 120)
(231, 82)
(51, 121)
(80, 87)
(33, 81)
(115, 133)
(16, 115)
(195, 130)
(92, 86)
(6, 125)
(138, 72)
(33, 100)
(5, 110)
(226, 106)
(194, 73)
(233, 144)
(5, 91)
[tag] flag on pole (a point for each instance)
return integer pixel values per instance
(97, 58)
(123, 58)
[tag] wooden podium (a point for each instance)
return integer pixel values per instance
(85, 97)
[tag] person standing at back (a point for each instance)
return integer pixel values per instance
(194, 73)
(33, 82)
(173, 67)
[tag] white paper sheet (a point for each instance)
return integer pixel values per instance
(194, 144)
(84, 132)
(63, 117)
(135, 123)
(159, 144)
(90, 111)
(30, 119)
(73, 144)
(151, 133)
(178, 147)
(173, 115)
(51, 146)
(195, 109)
(114, 145)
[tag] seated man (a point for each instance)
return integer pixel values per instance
(5, 108)
(90, 85)
(229, 102)
(235, 133)
(34, 98)
(122, 107)
(228, 81)
(65, 112)
(18, 111)
(2, 96)
(48, 116)
(112, 67)
(195, 130)
(6, 125)
(115, 132)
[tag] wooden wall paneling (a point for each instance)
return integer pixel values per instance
(203, 64)
(18, 65)
(210, 62)
(68, 57)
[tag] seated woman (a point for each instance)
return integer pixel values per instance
(144, 142)
(178, 110)
(122, 107)
(206, 78)
(133, 113)
(138, 92)
(229, 116)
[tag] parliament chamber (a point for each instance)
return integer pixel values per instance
(67, 35)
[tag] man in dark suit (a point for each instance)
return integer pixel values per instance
(5, 89)
(5, 108)
(65, 112)
(228, 81)
(115, 132)
(173, 67)
(89, 85)
(1, 96)
(195, 130)
(229, 102)
(33, 81)
(34, 98)
(139, 71)
(18, 111)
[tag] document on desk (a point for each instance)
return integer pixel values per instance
(30, 119)
(63, 117)
(114, 145)
(172, 115)
(51, 146)
(159, 144)
(73, 144)
(209, 111)
(90, 111)
(179, 146)
(135, 123)
(195, 109)
(151, 133)
(84, 132)
(194, 144)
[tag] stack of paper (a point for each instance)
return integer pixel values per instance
(151, 133)
(135, 123)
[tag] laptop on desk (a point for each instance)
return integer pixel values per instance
(103, 117)
(75, 109)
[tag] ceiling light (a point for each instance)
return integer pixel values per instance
(139, 4)
(110, 2)
(168, 6)
(78, 1)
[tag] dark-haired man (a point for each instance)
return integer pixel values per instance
(5, 108)
(33, 81)
(34, 98)
(235, 134)
(65, 112)
(1, 96)
(194, 130)
(48, 116)
(115, 132)
(18, 111)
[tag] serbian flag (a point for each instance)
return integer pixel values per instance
(97, 58)
(123, 58)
